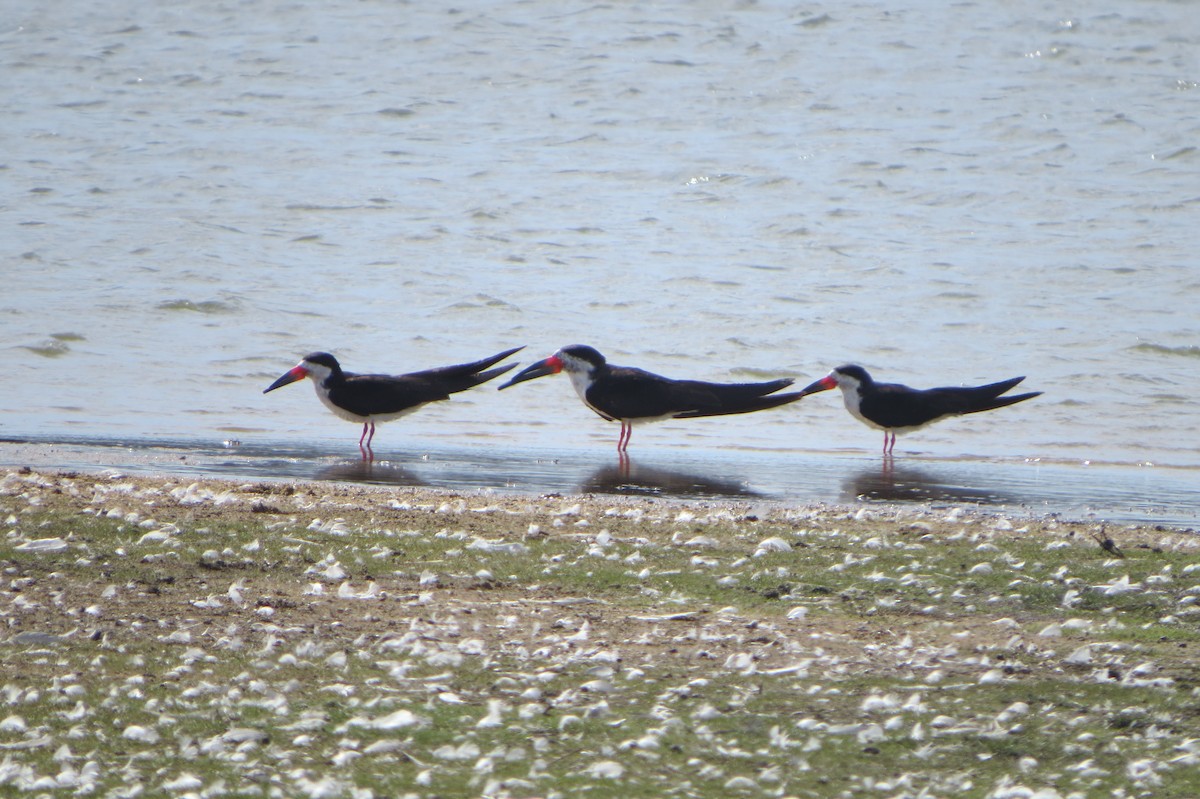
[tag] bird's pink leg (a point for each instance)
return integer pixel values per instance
(368, 454)
(623, 440)
(889, 442)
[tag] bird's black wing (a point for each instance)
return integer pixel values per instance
(460, 377)
(629, 393)
(731, 398)
(371, 394)
(894, 405)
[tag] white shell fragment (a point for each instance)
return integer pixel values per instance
(45, 545)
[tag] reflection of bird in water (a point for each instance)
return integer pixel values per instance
(369, 472)
(894, 408)
(906, 484)
(627, 478)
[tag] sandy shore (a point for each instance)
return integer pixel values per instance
(342, 640)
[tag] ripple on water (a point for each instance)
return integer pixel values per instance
(204, 306)
(56, 346)
(1159, 349)
(48, 349)
(480, 301)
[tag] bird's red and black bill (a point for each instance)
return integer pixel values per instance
(548, 366)
(288, 377)
(824, 384)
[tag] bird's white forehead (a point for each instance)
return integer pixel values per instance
(846, 381)
(572, 363)
(316, 371)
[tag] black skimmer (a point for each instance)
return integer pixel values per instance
(381, 398)
(628, 395)
(894, 408)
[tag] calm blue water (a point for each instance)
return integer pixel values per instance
(196, 194)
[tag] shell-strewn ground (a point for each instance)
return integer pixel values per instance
(161, 637)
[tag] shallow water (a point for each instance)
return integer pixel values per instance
(197, 194)
(1119, 495)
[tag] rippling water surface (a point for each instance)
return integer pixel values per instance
(196, 194)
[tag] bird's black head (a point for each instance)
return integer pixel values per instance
(323, 359)
(857, 373)
(582, 352)
(320, 366)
